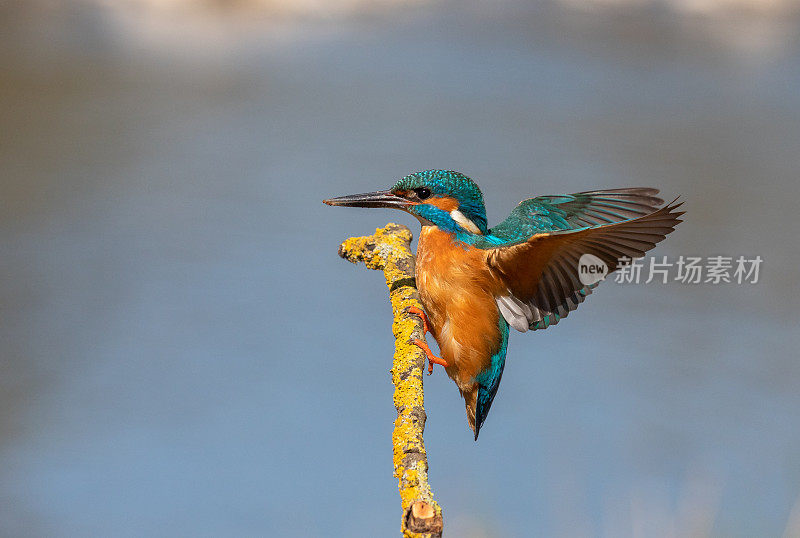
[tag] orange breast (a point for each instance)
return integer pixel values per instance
(457, 291)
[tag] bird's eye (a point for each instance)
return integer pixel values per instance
(423, 192)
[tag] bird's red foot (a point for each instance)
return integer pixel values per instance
(426, 328)
(432, 359)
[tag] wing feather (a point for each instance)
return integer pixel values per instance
(541, 274)
(573, 211)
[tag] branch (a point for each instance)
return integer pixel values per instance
(389, 250)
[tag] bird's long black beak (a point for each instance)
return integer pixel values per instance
(369, 199)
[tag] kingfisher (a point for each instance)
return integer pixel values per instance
(476, 282)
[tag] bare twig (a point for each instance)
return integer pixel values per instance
(389, 250)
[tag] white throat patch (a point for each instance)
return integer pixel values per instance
(464, 222)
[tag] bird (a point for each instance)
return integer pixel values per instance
(476, 282)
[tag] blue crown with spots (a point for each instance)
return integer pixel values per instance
(453, 184)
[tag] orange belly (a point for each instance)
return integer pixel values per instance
(458, 291)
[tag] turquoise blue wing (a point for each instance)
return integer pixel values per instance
(571, 212)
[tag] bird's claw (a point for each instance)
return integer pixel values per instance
(422, 344)
(426, 328)
(432, 359)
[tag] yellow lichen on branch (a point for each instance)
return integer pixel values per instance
(389, 250)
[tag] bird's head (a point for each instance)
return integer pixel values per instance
(444, 198)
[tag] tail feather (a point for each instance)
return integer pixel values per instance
(471, 403)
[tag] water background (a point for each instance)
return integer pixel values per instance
(184, 354)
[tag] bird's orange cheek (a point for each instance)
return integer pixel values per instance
(445, 203)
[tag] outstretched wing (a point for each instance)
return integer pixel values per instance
(574, 211)
(541, 273)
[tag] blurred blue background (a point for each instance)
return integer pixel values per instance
(184, 354)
